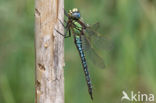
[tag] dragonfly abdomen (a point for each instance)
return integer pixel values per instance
(78, 43)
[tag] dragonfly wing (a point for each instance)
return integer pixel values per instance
(95, 43)
(95, 26)
(92, 53)
(96, 40)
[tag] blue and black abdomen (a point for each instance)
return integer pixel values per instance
(78, 43)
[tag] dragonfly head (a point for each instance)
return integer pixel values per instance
(74, 14)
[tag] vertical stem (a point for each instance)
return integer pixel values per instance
(49, 46)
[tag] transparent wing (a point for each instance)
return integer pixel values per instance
(95, 27)
(91, 53)
(94, 39)
(94, 42)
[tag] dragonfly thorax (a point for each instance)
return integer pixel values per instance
(74, 14)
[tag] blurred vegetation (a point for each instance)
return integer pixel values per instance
(131, 66)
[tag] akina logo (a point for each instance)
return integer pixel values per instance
(137, 97)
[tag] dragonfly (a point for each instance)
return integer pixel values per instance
(86, 39)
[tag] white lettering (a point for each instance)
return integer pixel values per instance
(151, 97)
(133, 96)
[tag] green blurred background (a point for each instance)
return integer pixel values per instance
(131, 63)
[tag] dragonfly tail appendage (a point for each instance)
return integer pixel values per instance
(78, 43)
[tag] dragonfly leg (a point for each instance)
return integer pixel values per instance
(65, 12)
(63, 23)
(65, 36)
(66, 28)
(69, 34)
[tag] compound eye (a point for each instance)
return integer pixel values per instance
(76, 15)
